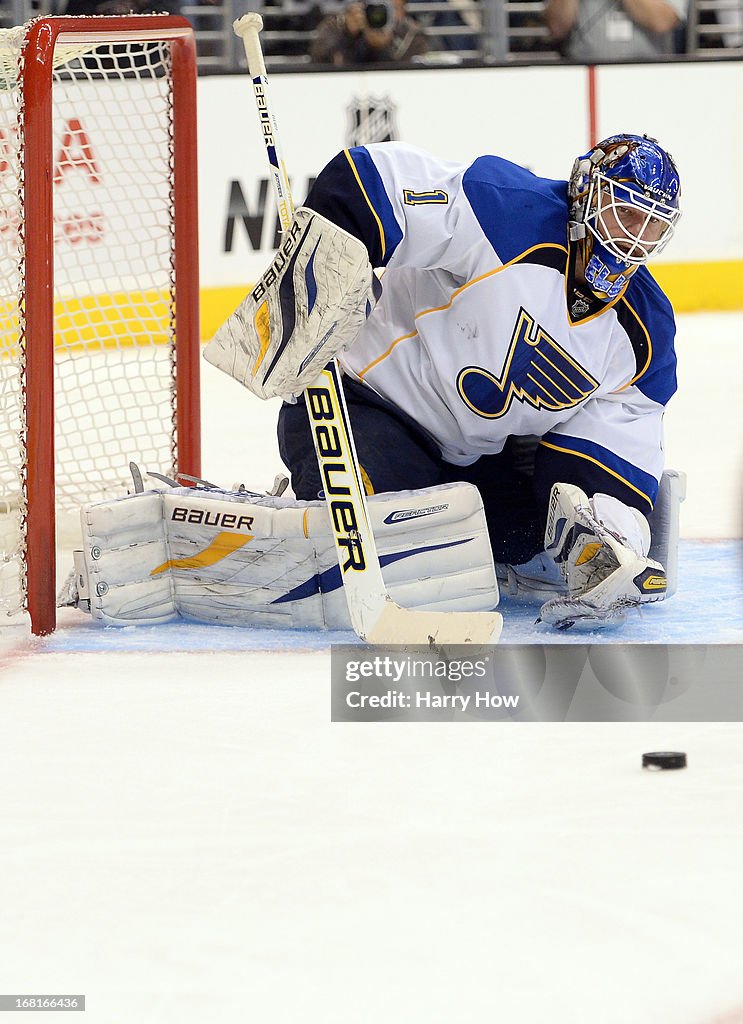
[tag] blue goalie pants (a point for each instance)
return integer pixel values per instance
(396, 455)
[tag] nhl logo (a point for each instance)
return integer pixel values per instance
(371, 119)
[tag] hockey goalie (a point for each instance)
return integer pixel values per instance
(513, 366)
(512, 307)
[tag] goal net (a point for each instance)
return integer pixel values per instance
(98, 277)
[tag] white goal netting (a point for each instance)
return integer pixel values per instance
(113, 225)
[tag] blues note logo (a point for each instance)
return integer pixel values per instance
(536, 371)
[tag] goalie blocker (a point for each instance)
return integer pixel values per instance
(309, 305)
(242, 559)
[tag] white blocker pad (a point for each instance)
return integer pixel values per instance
(309, 305)
(248, 560)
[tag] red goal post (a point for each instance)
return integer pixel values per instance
(104, 297)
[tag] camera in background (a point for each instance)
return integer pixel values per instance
(378, 15)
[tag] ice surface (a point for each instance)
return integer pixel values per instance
(707, 608)
(186, 837)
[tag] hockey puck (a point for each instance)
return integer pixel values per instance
(663, 760)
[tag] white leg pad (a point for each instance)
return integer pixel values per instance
(236, 559)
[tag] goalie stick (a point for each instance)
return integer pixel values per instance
(375, 617)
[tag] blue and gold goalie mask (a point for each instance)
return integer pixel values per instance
(624, 204)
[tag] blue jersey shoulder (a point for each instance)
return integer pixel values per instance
(649, 308)
(515, 209)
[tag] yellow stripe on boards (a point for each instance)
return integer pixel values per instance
(115, 320)
(217, 304)
(88, 323)
(128, 319)
(691, 287)
(701, 287)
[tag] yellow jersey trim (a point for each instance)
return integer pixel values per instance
(611, 472)
(637, 376)
(368, 201)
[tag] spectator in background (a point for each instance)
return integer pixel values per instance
(458, 24)
(289, 25)
(368, 33)
(731, 18)
(600, 30)
(78, 7)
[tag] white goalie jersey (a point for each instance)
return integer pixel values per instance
(477, 334)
